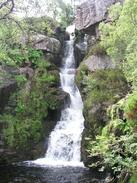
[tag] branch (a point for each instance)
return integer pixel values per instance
(18, 24)
(4, 4)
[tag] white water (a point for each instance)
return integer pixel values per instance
(65, 140)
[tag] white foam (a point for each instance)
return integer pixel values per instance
(64, 146)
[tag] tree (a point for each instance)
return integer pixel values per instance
(6, 8)
(120, 38)
(67, 15)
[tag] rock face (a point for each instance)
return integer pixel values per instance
(46, 43)
(8, 85)
(80, 51)
(42, 42)
(51, 47)
(92, 12)
(98, 62)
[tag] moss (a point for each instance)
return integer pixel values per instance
(133, 178)
(24, 123)
(131, 107)
(117, 142)
(96, 49)
(82, 72)
(101, 89)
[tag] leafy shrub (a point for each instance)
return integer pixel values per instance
(131, 107)
(96, 49)
(117, 143)
(120, 39)
(24, 125)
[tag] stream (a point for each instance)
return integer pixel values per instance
(65, 140)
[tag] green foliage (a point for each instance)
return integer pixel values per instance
(9, 37)
(24, 125)
(111, 123)
(96, 49)
(67, 16)
(21, 132)
(100, 89)
(25, 54)
(133, 178)
(81, 74)
(11, 50)
(120, 39)
(117, 143)
(21, 80)
(42, 25)
(104, 85)
(131, 107)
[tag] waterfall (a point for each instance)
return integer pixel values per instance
(65, 140)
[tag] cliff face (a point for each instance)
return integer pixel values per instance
(91, 12)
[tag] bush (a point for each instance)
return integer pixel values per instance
(131, 107)
(96, 49)
(24, 124)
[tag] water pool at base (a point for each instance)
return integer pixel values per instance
(23, 174)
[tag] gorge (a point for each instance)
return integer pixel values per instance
(68, 99)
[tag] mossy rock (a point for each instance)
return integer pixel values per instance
(56, 98)
(96, 49)
(103, 88)
(100, 89)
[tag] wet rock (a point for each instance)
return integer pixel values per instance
(44, 43)
(109, 179)
(61, 35)
(80, 51)
(96, 161)
(6, 89)
(8, 85)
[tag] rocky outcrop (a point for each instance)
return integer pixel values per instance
(99, 62)
(91, 12)
(46, 43)
(50, 46)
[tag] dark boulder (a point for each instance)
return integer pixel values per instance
(80, 51)
(8, 85)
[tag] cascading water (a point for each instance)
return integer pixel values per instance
(65, 140)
